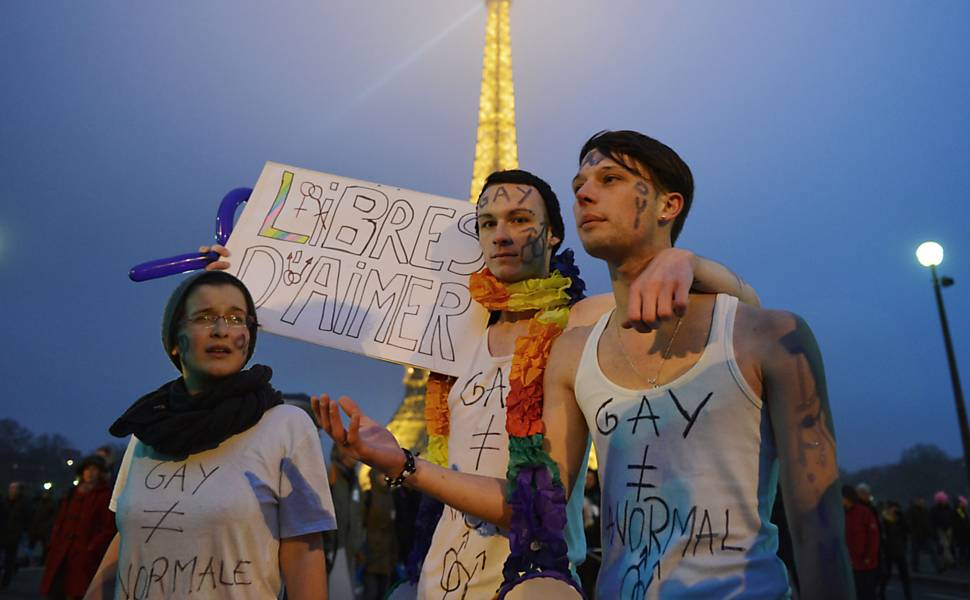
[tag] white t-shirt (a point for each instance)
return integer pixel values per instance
(466, 556)
(210, 526)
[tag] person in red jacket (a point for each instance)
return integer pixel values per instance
(862, 538)
(82, 531)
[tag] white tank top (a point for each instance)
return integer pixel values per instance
(688, 473)
(466, 556)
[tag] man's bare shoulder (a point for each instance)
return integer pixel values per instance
(571, 341)
(588, 310)
(762, 333)
(567, 350)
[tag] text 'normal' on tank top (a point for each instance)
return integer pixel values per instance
(688, 472)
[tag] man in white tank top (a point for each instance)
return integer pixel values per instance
(520, 227)
(694, 420)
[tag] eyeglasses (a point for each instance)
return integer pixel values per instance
(209, 320)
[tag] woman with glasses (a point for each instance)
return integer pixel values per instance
(222, 492)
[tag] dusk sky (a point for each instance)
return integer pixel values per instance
(827, 139)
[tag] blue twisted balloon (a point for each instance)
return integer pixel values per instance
(173, 265)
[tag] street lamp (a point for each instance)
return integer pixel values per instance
(930, 254)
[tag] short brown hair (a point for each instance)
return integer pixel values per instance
(669, 171)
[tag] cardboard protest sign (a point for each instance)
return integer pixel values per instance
(361, 267)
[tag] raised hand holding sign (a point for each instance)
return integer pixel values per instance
(193, 261)
(351, 265)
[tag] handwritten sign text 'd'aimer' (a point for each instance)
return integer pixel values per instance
(361, 267)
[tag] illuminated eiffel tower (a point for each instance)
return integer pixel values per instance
(495, 149)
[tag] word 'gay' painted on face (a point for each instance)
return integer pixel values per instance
(498, 192)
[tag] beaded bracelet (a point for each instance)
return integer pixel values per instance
(409, 469)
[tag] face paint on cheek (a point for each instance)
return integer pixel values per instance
(641, 201)
(240, 342)
(534, 248)
(641, 204)
(183, 343)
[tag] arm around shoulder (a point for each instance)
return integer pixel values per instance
(713, 277)
(661, 291)
(801, 420)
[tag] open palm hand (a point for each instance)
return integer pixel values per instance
(363, 438)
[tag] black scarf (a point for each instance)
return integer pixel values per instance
(177, 424)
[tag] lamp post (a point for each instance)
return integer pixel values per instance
(930, 254)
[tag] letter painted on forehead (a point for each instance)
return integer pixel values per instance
(526, 191)
(593, 158)
(485, 198)
(500, 193)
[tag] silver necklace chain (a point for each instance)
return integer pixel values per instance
(651, 381)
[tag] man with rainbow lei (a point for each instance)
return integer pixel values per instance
(506, 521)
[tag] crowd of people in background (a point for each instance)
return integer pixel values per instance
(366, 553)
(67, 535)
(884, 539)
(375, 528)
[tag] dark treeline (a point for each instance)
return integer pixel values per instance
(37, 459)
(922, 470)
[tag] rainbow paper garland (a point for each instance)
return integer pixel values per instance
(535, 491)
